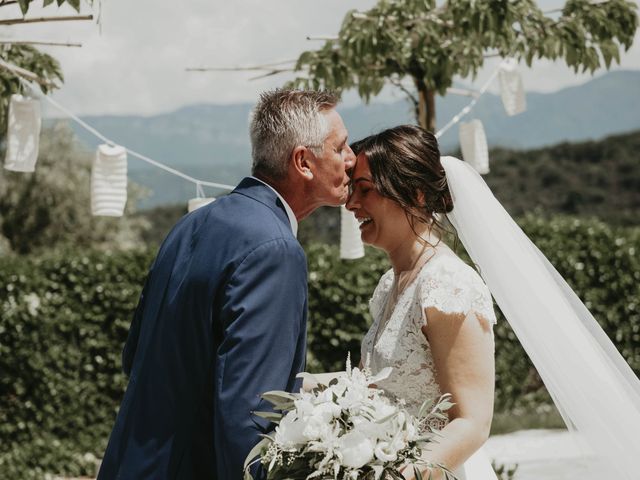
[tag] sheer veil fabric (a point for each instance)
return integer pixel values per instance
(593, 387)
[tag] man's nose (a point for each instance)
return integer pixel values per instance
(349, 160)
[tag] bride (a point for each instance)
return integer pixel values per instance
(433, 314)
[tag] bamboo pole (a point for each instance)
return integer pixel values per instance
(22, 21)
(29, 75)
(39, 42)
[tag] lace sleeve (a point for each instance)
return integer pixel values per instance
(452, 286)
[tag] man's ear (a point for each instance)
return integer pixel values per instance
(301, 162)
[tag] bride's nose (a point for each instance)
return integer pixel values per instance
(352, 202)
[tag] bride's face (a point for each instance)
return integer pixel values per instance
(383, 222)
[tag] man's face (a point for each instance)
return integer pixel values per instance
(330, 167)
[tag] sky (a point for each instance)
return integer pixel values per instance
(134, 60)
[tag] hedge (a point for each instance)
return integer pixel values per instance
(65, 317)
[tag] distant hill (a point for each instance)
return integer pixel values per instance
(587, 179)
(211, 142)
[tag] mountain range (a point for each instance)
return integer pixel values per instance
(211, 142)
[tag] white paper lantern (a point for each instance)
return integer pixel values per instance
(351, 246)
(109, 181)
(511, 87)
(23, 134)
(198, 202)
(473, 144)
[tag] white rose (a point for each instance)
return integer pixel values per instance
(304, 406)
(290, 431)
(327, 411)
(315, 427)
(382, 409)
(384, 451)
(353, 399)
(355, 449)
(372, 430)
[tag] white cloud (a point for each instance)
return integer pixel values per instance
(135, 62)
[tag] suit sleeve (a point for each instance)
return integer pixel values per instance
(131, 345)
(263, 346)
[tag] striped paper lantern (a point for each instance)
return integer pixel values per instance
(198, 202)
(351, 246)
(473, 144)
(23, 134)
(511, 88)
(109, 181)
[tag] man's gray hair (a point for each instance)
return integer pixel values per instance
(283, 120)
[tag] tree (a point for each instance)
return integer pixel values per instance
(432, 44)
(29, 58)
(25, 4)
(43, 65)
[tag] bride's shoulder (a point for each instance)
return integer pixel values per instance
(445, 264)
(452, 286)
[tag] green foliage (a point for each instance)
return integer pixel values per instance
(339, 293)
(65, 317)
(25, 4)
(591, 178)
(158, 222)
(44, 66)
(64, 321)
(504, 472)
(29, 58)
(52, 205)
(432, 44)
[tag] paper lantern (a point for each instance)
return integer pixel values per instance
(511, 87)
(23, 134)
(351, 246)
(473, 144)
(198, 202)
(109, 181)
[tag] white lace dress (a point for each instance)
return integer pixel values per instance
(451, 286)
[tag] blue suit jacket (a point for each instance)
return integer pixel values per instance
(221, 320)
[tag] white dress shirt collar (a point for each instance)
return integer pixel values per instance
(292, 218)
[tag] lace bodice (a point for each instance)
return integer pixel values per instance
(446, 283)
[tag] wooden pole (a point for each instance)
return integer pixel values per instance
(22, 21)
(39, 42)
(25, 73)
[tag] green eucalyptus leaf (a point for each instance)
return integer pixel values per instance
(271, 416)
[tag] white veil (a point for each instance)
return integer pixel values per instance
(594, 389)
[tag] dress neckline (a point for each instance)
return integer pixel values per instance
(388, 310)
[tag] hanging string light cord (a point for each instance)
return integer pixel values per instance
(465, 111)
(199, 183)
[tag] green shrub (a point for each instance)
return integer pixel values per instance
(65, 317)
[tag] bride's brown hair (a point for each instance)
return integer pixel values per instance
(405, 167)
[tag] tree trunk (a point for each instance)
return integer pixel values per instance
(426, 109)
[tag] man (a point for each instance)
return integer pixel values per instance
(222, 316)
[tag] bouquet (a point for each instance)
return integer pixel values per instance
(346, 431)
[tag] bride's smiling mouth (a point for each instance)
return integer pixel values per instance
(364, 221)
